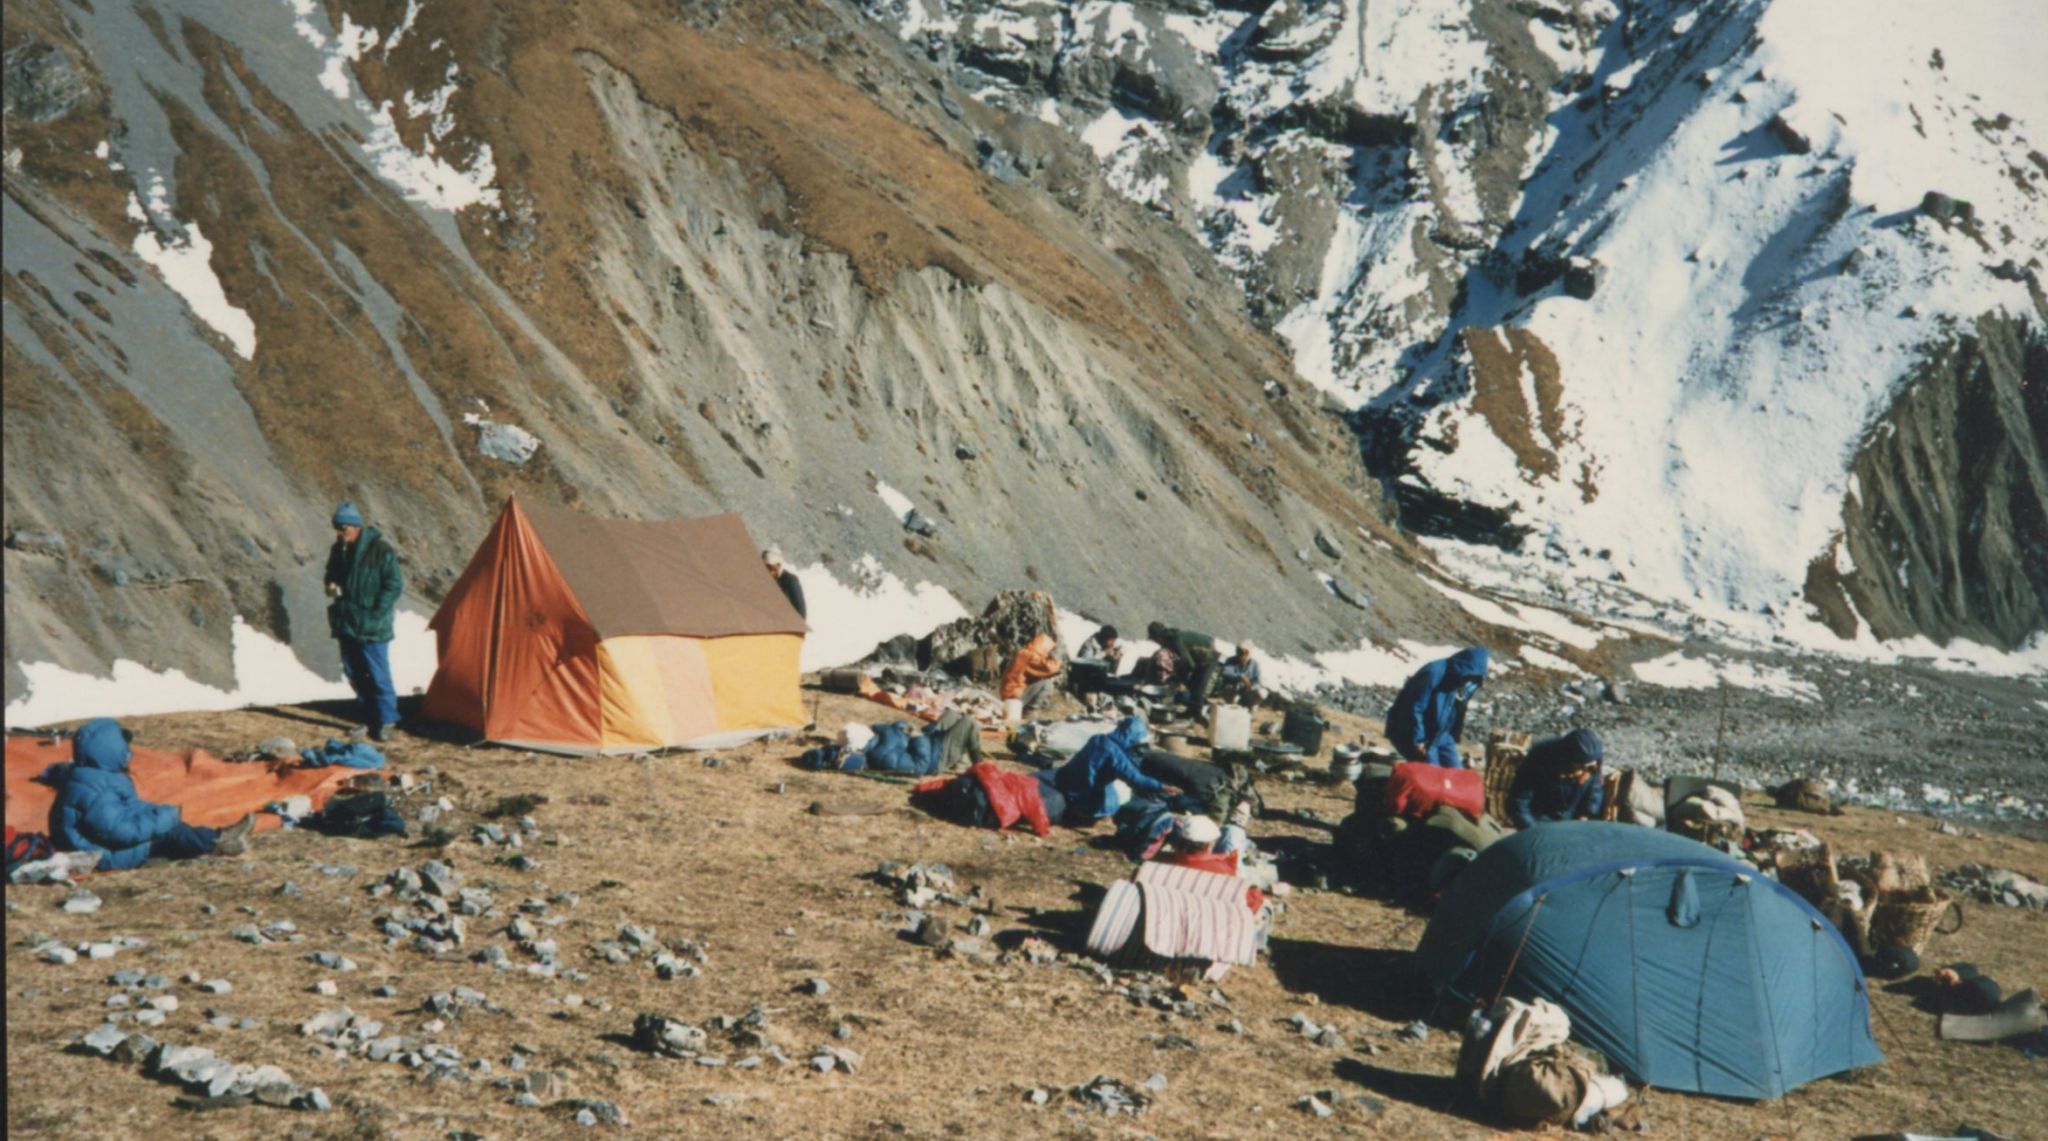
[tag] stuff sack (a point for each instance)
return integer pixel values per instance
(352, 754)
(365, 816)
(1416, 790)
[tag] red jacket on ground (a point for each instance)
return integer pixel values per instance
(1011, 796)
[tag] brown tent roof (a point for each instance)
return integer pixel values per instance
(697, 577)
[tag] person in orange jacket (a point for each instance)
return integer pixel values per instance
(1031, 672)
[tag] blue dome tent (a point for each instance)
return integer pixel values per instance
(1690, 971)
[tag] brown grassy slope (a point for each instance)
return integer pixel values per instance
(779, 895)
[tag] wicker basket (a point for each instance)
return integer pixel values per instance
(1899, 872)
(1909, 918)
(1811, 873)
(1505, 749)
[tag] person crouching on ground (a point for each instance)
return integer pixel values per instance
(1559, 779)
(1031, 672)
(364, 581)
(1195, 655)
(1427, 719)
(1239, 680)
(98, 810)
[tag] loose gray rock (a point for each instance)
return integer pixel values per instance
(81, 902)
(101, 1040)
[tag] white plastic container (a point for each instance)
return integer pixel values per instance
(1013, 709)
(1230, 727)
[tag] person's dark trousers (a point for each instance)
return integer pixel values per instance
(183, 842)
(368, 667)
(1204, 680)
(1036, 693)
(959, 740)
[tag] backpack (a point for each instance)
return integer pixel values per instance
(26, 847)
(364, 816)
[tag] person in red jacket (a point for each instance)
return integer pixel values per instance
(1031, 672)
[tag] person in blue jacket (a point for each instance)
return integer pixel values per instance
(1107, 757)
(1559, 779)
(1427, 719)
(98, 810)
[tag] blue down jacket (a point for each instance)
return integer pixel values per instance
(1428, 716)
(97, 808)
(1107, 757)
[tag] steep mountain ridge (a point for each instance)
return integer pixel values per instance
(642, 260)
(1720, 241)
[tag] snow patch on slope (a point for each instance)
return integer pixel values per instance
(423, 176)
(849, 619)
(182, 255)
(267, 672)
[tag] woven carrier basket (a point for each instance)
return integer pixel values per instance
(1811, 873)
(1910, 918)
(1505, 749)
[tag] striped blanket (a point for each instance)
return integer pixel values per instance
(1186, 913)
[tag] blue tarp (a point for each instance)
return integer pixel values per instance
(1687, 969)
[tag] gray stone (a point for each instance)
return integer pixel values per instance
(439, 879)
(815, 986)
(81, 902)
(1310, 1103)
(134, 1049)
(42, 84)
(102, 1039)
(217, 986)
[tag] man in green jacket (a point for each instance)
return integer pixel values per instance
(1196, 653)
(364, 582)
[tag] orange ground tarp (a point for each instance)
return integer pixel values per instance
(208, 791)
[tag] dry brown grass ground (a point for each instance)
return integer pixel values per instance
(779, 895)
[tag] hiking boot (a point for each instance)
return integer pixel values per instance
(358, 732)
(383, 733)
(234, 839)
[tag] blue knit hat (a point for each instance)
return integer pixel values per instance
(346, 515)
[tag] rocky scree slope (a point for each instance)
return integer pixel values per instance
(1737, 303)
(645, 260)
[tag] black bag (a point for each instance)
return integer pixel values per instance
(365, 816)
(1304, 726)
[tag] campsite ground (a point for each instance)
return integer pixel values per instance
(730, 855)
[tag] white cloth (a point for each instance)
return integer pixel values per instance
(1525, 1028)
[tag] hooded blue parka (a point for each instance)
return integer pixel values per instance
(97, 808)
(1428, 717)
(1107, 757)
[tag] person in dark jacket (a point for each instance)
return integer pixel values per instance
(1195, 659)
(365, 584)
(1086, 780)
(1559, 779)
(792, 588)
(1427, 719)
(98, 810)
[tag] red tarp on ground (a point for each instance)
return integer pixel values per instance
(209, 792)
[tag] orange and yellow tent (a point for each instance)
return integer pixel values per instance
(580, 635)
